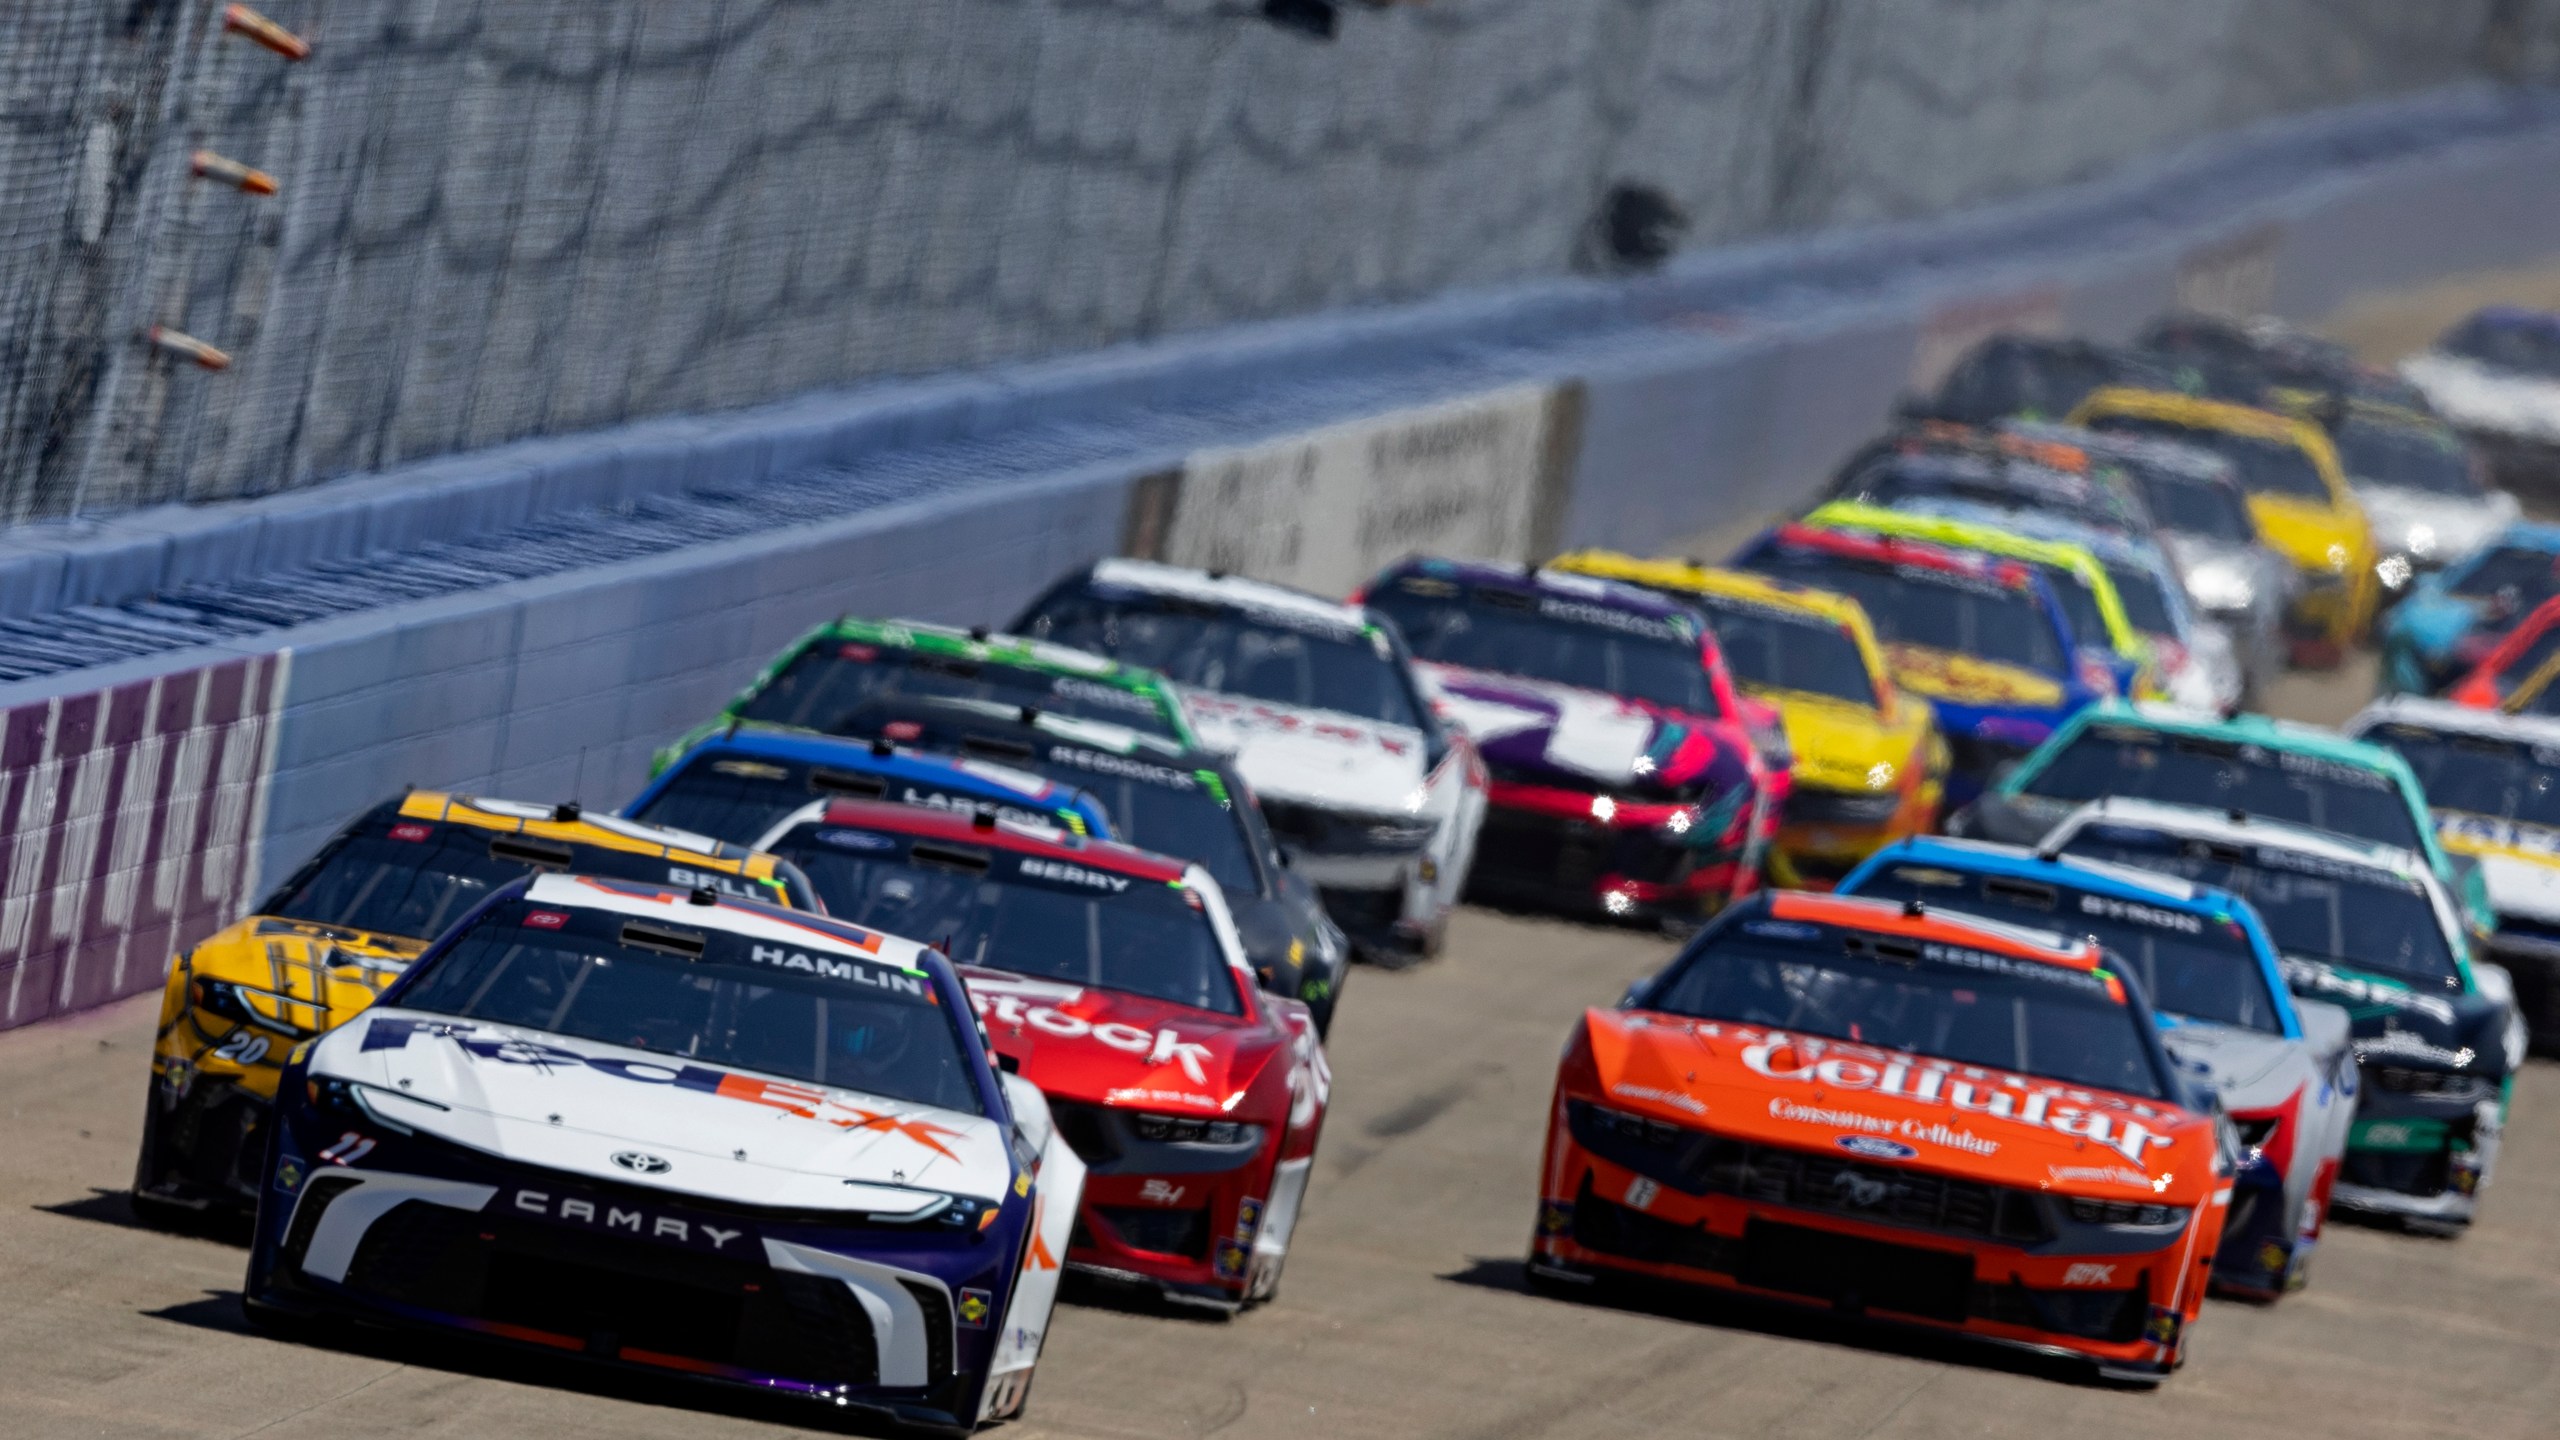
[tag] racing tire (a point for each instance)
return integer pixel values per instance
(279, 1324)
(152, 1210)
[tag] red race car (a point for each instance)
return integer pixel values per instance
(1816, 1102)
(2515, 660)
(1111, 978)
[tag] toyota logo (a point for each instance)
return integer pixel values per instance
(639, 1163)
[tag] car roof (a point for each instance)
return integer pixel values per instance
(2183, 409)
(1894, 917)
(985, 645)
(2455, 719)
(1899, 550)
(567, 823)
(2194, 822)
(2250, 727)
(1992, 539)
(1597, 590)
(1214, 587)
(724, 913)
(2127, 881)
(1041, 840)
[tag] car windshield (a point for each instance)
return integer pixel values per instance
(827, 683)
(1936, 609)
(2265, 467)
(1769, 647)
(1974, 1007)
(2190, 965)
(698, 993)
(738, 798)
(2007, 378)
(1004, 910)
(2407, 457)
(2079, 606)
(2533, 573)
(2527, 348)
(2200, 507)
(1227, 650)
(416, 877)
(2317, 909)
(1188, 814)
(1896, 487)
(2136, 763)
(1555, 638)
(2146, 599)
(2480, 774)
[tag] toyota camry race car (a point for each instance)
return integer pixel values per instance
(2367, 928)
(1889, 1112)
(344, 926)
(1375, 797)
(2282, 1068)
(738, 783)
(2493, 783)
(660, 1129)
(1629, 776)
(1112, 979)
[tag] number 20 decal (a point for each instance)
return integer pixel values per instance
(243, 1048)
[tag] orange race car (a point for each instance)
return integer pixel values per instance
(1893, 1113)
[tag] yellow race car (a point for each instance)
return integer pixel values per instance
(329, 940)
(2297, 493)
(1870, 766)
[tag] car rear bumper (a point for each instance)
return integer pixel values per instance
(1585, 866)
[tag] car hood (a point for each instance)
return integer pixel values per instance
(2476, 397)
(2302, 533)
(305, 977)
(1109, 1047)
(1837, 744)
(572, 1105)
(2427, 1027)
(1853, 1101)
(2520, 864)
(2251, 1069)
(1582, 735)
(1316, 757)
(1969, 680)
(2455, 527)
(2195, 552)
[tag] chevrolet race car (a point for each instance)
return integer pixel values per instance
(2520, 660)
(2273, 769)
(2297, 492)
(1189, 804)
(343, 927)
(738, 783)
(1816, 1102)
(2282, 1068)
(2367, 928)
(833, 670)
(1983, 640)
(1629, 777)
(2493, 783)
(2455, 618)
(1375, 797)
(658, 1129)
(1870, 766)
(2496, 376)
(1112, 979)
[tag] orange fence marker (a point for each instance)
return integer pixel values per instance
(210, 166)
(186, 346)
(249, 24)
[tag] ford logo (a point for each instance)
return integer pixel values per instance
(1867, 1145)
(643, 1164)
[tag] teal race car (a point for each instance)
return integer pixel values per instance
(2250, 764)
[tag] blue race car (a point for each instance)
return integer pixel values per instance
(2454, 617)
(739, 783)
(675, 1133)
(2282, 1068)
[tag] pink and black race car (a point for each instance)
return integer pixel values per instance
(1629, 776)
(1111, 978)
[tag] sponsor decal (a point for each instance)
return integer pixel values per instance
(1934, 1132)
(2085, 1273)
(2140, 914)
(1230, 1260)
(862, 840)
(349, 1148)
(974, 1308)
(2409, 1045)
(1160, 1192)
(2531, 842)
(1158, 1047)
(1074, 875)
(640, 1162)
(547, 919)
(1104, 763)
(1609, 618)
(1641, 1193)
(1555, 1217)
(613, 1217)
(2271, 1258)
(412, 832)
(838, 967)
(2328, 980)
(1110, 697)
(2097, 1174)
(2162, 1327)
(718, 882)
(1659, 1096)
(1248, 1217)
(1144, 1095)
(1968, 1090)
(1873, 1147)
(243, 1047)
(289, 1177)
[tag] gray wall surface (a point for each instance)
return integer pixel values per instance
(509, 218)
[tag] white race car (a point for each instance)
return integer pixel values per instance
(1376, 799)
(2496, 377)
(684, 1134)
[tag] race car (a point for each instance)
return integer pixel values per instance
(2283, 1068)
(1375, 797)
(1629, 777)
(2496, 376)
(2493, 784)
(2454, 618)
(1983, 640)
(659, 1129)
(2010, 471)
(2297, 492)
(1870, 766)
(1158, 796)
(2034, 377)
(2519, 659)
(2420, 485)
(2261, 767)
(344, 926)
(737, 783)
(2202, 519)
(2260, 360)
(836, 668)
(2365, 927)
(1893, 1113)
(1112, 979)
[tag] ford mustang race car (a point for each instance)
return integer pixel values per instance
(1375, 797)
(1629, 777)
(1870, 766)
(2283, 1068)
(2453, 619)
(833, 670)
(1889, 1112)
(1112, 979)
(1983, 640)
(2493, 783)
(344, 926)
(659, 1129)
(736, 784)
(2367, 928)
